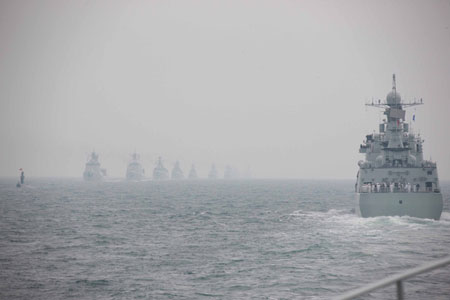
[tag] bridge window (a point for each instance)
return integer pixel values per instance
(428, 186)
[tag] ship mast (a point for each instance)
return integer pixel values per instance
(395, 95)
(394, 87)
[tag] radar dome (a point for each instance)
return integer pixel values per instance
(393, 98)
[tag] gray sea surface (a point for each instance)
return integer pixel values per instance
(248, 239)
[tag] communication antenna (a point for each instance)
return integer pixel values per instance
(394, 85)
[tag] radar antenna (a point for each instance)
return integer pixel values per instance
(394, 89)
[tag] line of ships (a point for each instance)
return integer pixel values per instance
(393, 180)
(135, 171)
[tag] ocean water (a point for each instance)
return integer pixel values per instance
(252, 239)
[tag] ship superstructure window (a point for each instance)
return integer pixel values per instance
(429, 172)
(428, 186)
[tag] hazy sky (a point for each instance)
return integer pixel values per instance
(277, 86)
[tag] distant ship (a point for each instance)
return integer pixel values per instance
(192, 173)
(247, 173)
(93, 172)
(230, 173)
(394, 179)
(177, 173)
(160, 172)
(21, 178)
(134, 169)
(213, 172)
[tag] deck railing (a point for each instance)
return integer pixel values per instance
(362, 191)
(397, 279)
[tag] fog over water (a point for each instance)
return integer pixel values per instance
(275, 86)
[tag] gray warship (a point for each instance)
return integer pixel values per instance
(134, 169)
(394, 179)
(92, 171)
(160, 172)
(177, 173)
(231, 173)
(21, 178)
(213, 172)
(192, 173)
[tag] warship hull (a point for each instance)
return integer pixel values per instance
(419, 205)
(92, 175)
(135, 172)
(134, 175)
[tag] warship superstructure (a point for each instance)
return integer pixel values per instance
(134, 169)
(160, 172)
(192, 173)
(92, 171)
(177, 173)
(394, 179)
(230, 173)
(213, 172)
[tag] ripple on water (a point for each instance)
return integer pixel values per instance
(269, 239)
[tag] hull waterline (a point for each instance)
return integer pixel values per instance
(419, 205)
